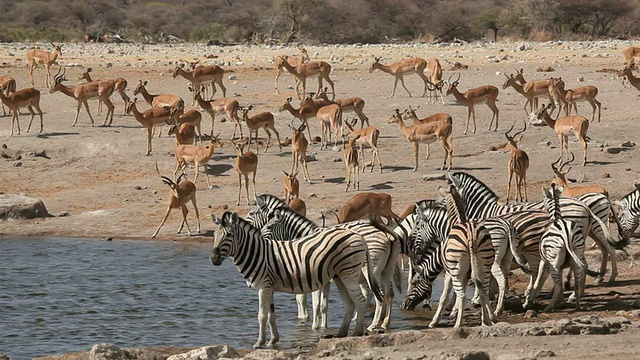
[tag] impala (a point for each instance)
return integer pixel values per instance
(182, 191)
(578, 125)
(120, 85)
(518, 164)
(401, 68)
(560, 179)
(434, 72)
(330, 117)
(196, 155)
(628, 74)
(630, 55)
(539, 87)
(203, 75)
(206, 84)
(572, 96)
(531, 91)
(39, 56)
(29, 98)
(246, 163)
(352, 104)
(483, 94)
(8, 85)
(193, 118)
(371, 205)
(149, 119)
(299, 145)
(369, 137)
(291, 187)
(426, 134)
(319, 69)
(185, 133)
(83, 92)
(410, 114)
(306, 111)
(220, 106)
(351, 164)
(293, 60)
(263, 120)
(157, 101)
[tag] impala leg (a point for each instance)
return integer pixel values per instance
(31, 67)
(469, 110)
(356, 172)
(277, 136)
(110, 110)
(166, 215)
(48, 80)
(305, 168)
(239, 187)
(268, 139)
(77, 113)
(15, 120)
(224, 89)
(254, 188)
(496, 114)
(428, 152)
(86, 106)
(195, 207)
(416, 149)
(509, 182)
(402, 83)
(149, 136)
(37, 106)
(206, 173)
(278, 73)
(473, 114)
(333, 91)
(395, 84)
(348, 169)
(185, 211)
(599, 105)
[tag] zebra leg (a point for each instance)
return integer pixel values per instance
(497, 270)
(324, 302)
(558, 295)
(303, 313)
(485, 303)
(460, 287)
(387, 288)
(315, 305)
(607, 251)
(542, 274)
(265, 301)
(446, 289)
(353, 301)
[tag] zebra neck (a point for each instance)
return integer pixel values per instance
(252, 252)
(403, 231)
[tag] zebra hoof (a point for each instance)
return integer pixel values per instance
(598, 280)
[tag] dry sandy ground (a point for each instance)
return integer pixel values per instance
(109, 188)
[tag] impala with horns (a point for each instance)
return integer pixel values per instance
(628, 74)
(578, 125)
(570, 97)
(39, 56)
(227, 106)
(410, 114)
(183, 191)
(366, 137)
(203, 75)
(560, 179)
(120, 85)
(531, 91)
(401, 68)
(319, 69)
(83, 92)
(483, 94)
(29, 98)
(518, 164)
(426, 134)
(293, 60)
(157, 101)
(149, 118)
(352, 104)
(434, 72)
(299, 145)
(306, 111)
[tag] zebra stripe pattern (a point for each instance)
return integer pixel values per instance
(629, 213)
(562, 237)
(285, 224)
(468, 248)
(300, 266)
(482, 203)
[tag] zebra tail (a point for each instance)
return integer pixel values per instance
(374, 284)
(569, 245)
(475, 268)
(397, 277)
(516, 256)
(623, 243)
(604, 227)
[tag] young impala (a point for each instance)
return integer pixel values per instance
(573, 96)
(578, 125)
(39, 56)
(319, 69)
(246, 163)
(263, 120)
(293, 60)
(410, 114)
(366, 137)
(196, 155)
(352, 104)
(518, 164)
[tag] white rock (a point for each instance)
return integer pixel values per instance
(106, 351)
(580, 79)
(232, 77)
(207, 353)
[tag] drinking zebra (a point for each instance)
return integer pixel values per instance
(286, 224)
(467, 250)
(301, 266)
(563, 236)
(629, 213)
(482, 203)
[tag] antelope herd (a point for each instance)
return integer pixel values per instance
(185, 124)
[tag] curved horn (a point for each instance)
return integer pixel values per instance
(521, 131)
(511, 128)
(573, 157)
(449, 79)
(458, 79)
(553, 165)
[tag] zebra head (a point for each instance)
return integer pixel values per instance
(224, 236)
(424, 233)
(265, 203)
(419, 291)
(274, 221)
(628, 209)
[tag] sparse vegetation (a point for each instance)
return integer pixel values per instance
(319, 21)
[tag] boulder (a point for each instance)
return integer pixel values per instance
(207, 353)
(106, 351)
(13, 206)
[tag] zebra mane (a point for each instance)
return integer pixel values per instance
(430, 204)
(239, 222)
(291, 213)
(628, 199)
(271, 200)
(470, 182)
(456, 206)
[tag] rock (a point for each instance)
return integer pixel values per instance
(63, 214)
(580, 79)
(606, 175)
(207, 353)
(530, 314)
(475, 355)
(106, 351)
(336, 160)
(432, 177)
(542, 354)
(17, 164)
(628, 144)
(138, 187)
(614, 150)
(4, 357)
(512, 357)
(14, 206)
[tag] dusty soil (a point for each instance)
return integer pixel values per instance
(100, 177)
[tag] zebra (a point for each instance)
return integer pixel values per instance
(258, 218)
(629, 213)
(300, 266)
(467, 249)
(285, 224)
(483, 203)
(563, 236)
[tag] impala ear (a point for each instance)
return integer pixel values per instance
(285, 173)
(89, 70)
(144, 83)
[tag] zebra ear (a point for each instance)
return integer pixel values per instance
(216, 220)
(546, 193)
(260, 201)
(234, 217)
